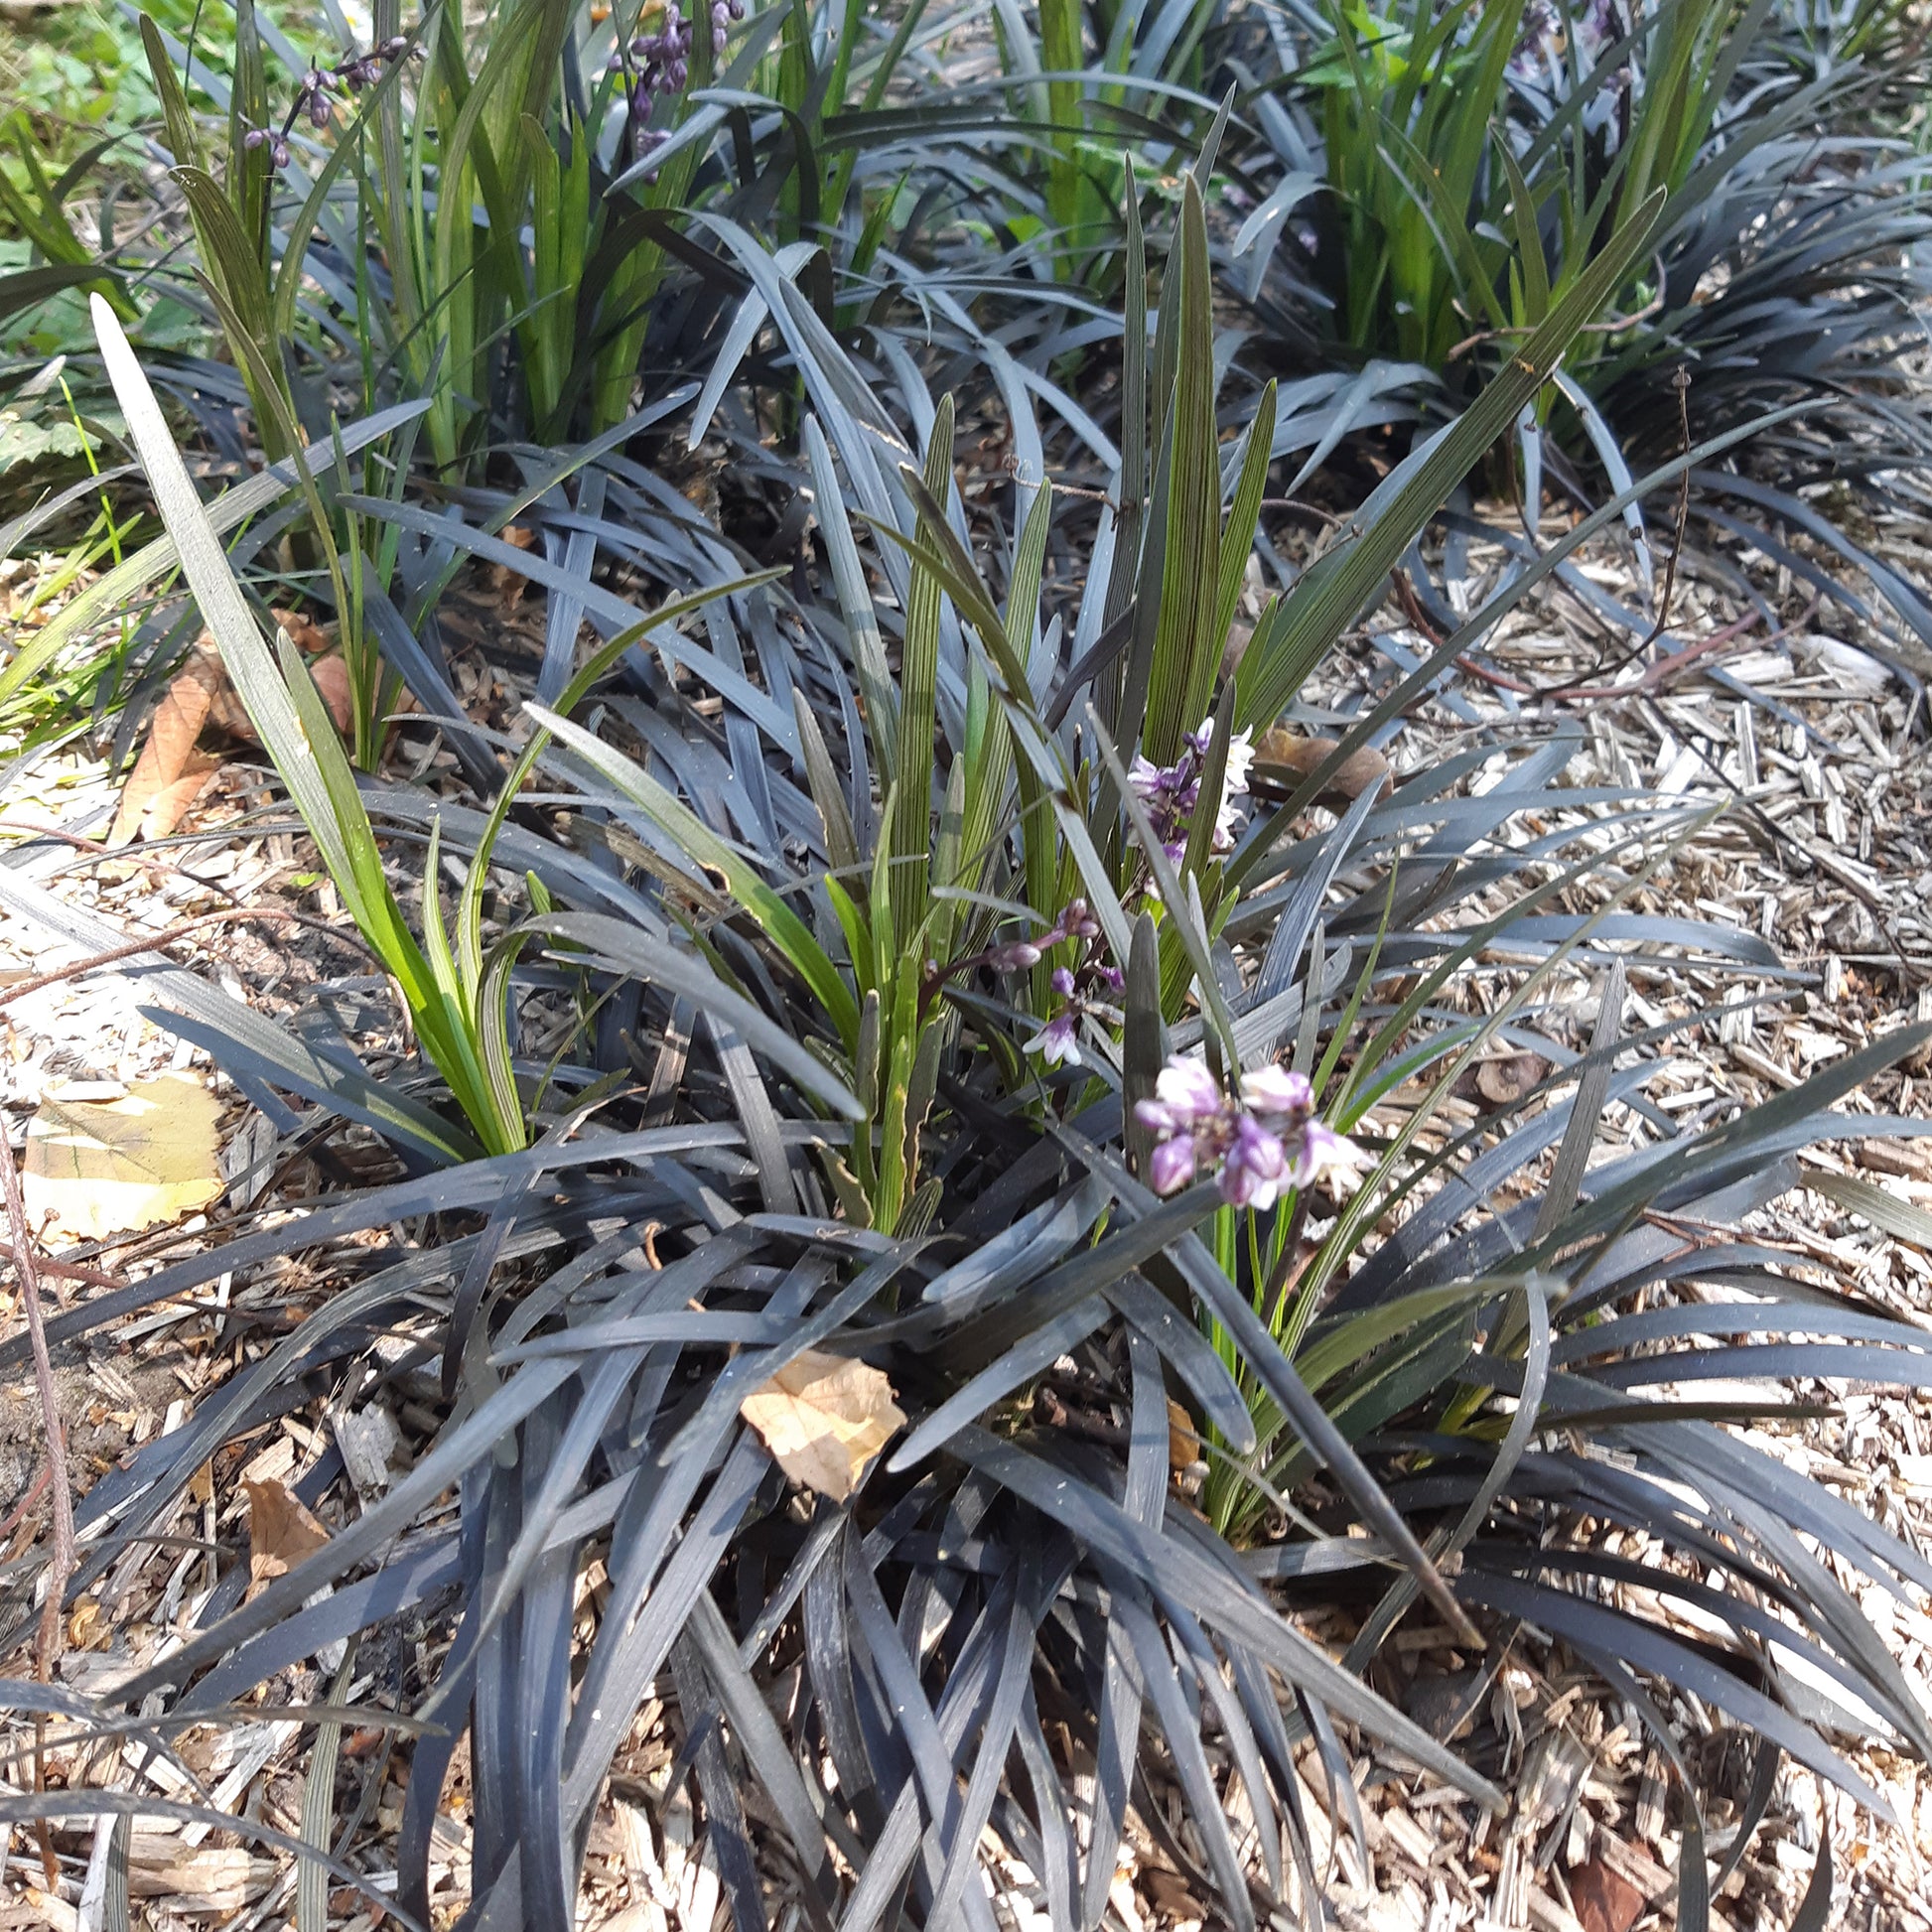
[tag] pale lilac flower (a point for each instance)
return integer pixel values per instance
(1261, 1144)
(1241, 760)
(1056, 1041)
(1274, 1090)
(1185, 1095)
(1255, 1167)
(1323, 1150)
(1171, 1166)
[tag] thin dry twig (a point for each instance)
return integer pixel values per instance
(1681, 383)
(46, 1640)
(154, 942)
(68, 1270)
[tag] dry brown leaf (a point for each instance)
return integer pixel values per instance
(170, 774)
(507, 583)
(1184, 1439)
(1505, 1080)
(1166, 1891)
(330, 676)
(824, 1418)
(308, 637)
(1299, 756)
(281, 1532)
(1602, 1900)
(97, 1168)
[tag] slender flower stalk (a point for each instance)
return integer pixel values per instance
(1079, 987)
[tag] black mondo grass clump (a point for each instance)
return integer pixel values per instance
(1423, 187)
(916, 969)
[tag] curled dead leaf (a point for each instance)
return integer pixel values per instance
(824, 1419)
(1293, 758)
(1505, 1080)
(311, 639)
(281, 1532)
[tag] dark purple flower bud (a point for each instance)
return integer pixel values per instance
(1022, 953)
(255, 137)
(319, 110)
(395, 50)
(278, 150)
(676, 74)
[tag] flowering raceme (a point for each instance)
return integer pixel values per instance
(1263, 1142)
(664, 67)
(316, 95)
(1058, 1040)
(1171, 792)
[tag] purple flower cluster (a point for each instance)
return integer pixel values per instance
(1171, 792)
(663, 66)
(317, 93)
(1264, 1142)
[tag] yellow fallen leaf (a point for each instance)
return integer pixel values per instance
(824, 1418)
(99, 1168)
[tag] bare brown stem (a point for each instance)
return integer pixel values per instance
(46, 1641)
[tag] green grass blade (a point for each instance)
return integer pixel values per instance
(1181, 639)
